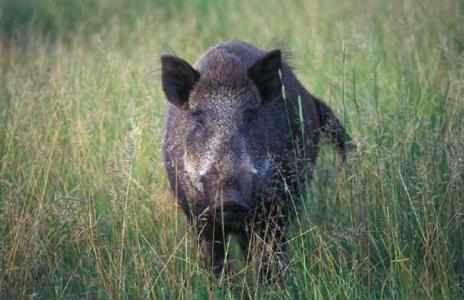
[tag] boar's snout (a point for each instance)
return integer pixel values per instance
(233, 205)
(229, 190)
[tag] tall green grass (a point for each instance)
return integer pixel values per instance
(85, 211)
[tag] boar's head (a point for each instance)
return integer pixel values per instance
(228, 130)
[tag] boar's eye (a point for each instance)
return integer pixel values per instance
(198, 117)
(248, 116)
(199, 121)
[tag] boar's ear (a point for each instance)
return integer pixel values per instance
(265, 74)
(178, 78)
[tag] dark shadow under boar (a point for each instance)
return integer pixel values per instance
(240, 140)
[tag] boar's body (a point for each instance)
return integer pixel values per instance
(234, 147)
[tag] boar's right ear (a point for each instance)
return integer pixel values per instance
(265, 74)
(178, 78)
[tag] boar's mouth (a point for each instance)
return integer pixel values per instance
(232, 209)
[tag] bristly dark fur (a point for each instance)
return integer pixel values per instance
(234, 147)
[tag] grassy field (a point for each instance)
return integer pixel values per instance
(85, 210)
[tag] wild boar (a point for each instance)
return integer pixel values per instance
(241, 137)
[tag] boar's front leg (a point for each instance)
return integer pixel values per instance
(212, 253)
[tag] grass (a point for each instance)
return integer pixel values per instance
(85, 211)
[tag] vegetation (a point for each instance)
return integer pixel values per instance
(85, 211)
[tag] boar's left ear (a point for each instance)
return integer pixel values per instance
(265, 74)
(178, 78)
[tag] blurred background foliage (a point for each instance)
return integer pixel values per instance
(53, 18)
